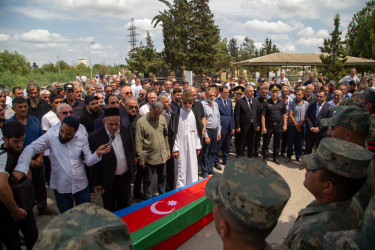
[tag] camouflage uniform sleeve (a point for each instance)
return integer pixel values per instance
(310, 237)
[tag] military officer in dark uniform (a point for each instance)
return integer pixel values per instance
(238, 94)
(273, 122)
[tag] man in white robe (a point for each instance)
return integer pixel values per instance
(187, 142)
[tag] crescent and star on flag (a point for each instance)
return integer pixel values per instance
(171, 203)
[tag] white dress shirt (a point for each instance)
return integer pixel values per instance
(118, 147)
(67, 170)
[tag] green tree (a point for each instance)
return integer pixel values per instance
(233, 49)
(48, 67)
(62, 64)
(333, 62)
(175, 23)
(203, 37)
(222, 59)
(268, 48)
(247, 49)
(14, 63)
(360, 36)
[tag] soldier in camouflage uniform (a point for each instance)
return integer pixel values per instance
(351, 123)
(368, 97)
(355, 239)
(86, 226)
(334, 173)
(249, 198)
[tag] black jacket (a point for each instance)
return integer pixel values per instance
(103, 173)
(242, 114)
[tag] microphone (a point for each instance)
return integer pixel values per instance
(111, 140)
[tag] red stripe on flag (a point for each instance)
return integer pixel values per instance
(145, 216)
(178, 239)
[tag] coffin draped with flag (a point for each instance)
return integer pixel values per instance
(168, 220)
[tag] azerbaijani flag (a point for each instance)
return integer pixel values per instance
(168, 220)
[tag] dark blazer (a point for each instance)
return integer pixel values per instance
(173, 126)
(313, 121)
(226, 114)
(242, 114)
(103, 173)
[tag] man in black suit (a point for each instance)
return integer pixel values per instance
(112, 175)
(316, 111)
(247, 120)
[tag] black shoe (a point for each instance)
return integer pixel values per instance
(140, 196)
(218, 167)
(264, 159)
(298, 160)
(275, 160)
(204, 175)
(249, 156)
(287, 160)
(282, 155)
(225, 163)
(47, 211)
(255, 154)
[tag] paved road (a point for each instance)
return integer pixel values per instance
(207, 238)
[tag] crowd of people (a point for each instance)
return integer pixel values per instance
(98, 136)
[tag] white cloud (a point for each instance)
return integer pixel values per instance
(4, 37)
(311, 42)
(306, 32)
(289, 47)
(276, 27)
(279, 37)
(39, 35)
(240, 39)
(86, 39)
(322, 33)
(340, 4)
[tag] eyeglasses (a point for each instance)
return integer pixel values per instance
(67, 112)
(133, 107)
(141, 94)
(127, 93)
(189, 102)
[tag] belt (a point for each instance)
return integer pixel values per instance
(274, 123)
(211, 129)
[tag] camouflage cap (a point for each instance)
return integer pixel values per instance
(348, 101)
(352, 117)
(338, 156)
(368, 94)
(86, 226)
(250, 191)
(363, 238)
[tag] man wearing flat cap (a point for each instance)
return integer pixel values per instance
(334, 173)
(185, 133)
(68, 152)
(112, 175)
(77, 105)
(248, 200)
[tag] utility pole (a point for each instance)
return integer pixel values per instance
(90, 59)
(58, 63)
(133, 35)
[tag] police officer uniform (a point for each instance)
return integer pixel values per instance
(274, 121)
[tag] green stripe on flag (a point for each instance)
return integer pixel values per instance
(171, 224)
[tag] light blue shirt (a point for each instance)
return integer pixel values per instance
(212, 116)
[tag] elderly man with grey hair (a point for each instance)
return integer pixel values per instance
(152, 147)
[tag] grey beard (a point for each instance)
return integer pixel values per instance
(34, 102)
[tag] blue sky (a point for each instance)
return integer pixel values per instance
(43, 30)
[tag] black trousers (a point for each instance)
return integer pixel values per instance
(170, 175)
(276, 131)
(119, 196)
(9, 230)
(312, 140)
(284, 141)
(39, 182)
(138, 180)
(246, 138)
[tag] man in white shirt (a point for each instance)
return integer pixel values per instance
(282, 78)
(350, 77)
(151, 97)
(68, 176)
(336, 98)
(50, 118)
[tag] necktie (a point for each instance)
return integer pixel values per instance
(225, 103)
